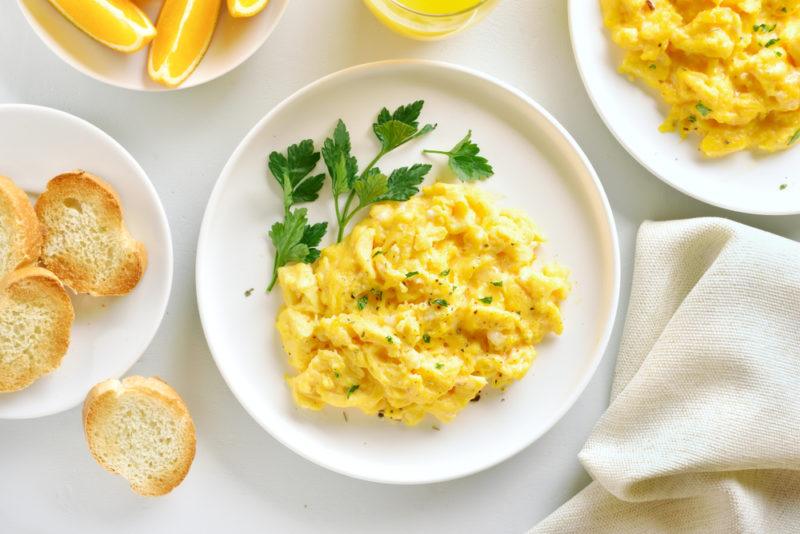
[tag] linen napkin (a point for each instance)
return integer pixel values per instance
(703, 430)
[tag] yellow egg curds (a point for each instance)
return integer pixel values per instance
(425, 303)
(728, 69)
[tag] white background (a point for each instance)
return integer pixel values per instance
(243, 480)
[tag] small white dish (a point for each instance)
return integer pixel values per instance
(109, 334)
(539, 168)
(746, 182)
(234, 41)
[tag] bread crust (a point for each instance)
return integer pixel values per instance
(28, 247)
(16, 377)
(103, 396)
(74, 273)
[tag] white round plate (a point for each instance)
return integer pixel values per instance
(109, 334)
(539, 168)
(745, 181)
(234, 41)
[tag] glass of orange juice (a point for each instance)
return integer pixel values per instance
(430, 19)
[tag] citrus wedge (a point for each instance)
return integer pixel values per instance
(184, 29)
(246, 8)
(119, 24)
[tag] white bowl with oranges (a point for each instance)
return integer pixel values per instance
(152, 45)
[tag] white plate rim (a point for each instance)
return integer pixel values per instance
(161, 308)
(573, 8)
(54, 47)
(613, 236)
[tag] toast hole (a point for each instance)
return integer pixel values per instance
(73, 204)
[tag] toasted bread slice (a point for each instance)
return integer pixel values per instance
(35, 319)
(141, 429)
(86, 243)
(20, 234)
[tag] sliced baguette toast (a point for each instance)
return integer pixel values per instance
(140, 429)
(20, 235)
(35, 319)
(86, 243)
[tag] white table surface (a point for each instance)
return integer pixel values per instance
(243, 480)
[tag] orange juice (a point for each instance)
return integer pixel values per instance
(429, 19)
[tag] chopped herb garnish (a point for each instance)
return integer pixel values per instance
(793, 139)
(336, 374)
(439, 365)
(352, 389)
(702, 109)
(652, 66)
(778, 53)
(378, 293)
(692, 118)
(362, 302)
(497, 283)
(377, 252)
(436, 428)
(465, 162)
(445, 272)
(389, 339)
(440, 302)
(772, 42)
(486, 300)
(249, 292)
(783, 186)
(426, 338)
(783, 9)
(412, 274)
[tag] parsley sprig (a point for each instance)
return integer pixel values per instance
(294, 239)
(464, 160)
(371, 185)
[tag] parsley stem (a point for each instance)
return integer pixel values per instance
(274, 273)
(436, 152)
(343, 216)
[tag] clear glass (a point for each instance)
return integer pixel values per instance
(430, 19)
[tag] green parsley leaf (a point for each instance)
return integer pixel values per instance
(772, 42)
(702, 109)
(404, 182)
(400, 127)
(411, 274)
(342, 166)
(426, 338)
(377, 252)
(336, 374)
(692, 118)
(294, 241)
(497, 283)
(291, 172)
(371, 188)
(652, 66)
(361, 303)
(352, 389)
(439, 365)
(445, 272)
(783, 186)
(793, 139)
(440, 302)
(389, 340)
(486, 300)
(465, 162)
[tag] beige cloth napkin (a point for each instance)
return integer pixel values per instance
(703, 431)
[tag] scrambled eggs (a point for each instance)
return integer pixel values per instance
(728, 68)
(425, 303)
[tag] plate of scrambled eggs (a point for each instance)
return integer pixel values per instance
(704, 93)
(459, 325)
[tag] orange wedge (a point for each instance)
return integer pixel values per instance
(246, 8)
(184, 29)
(119, 24)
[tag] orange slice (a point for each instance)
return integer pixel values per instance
(119, 24)
(184, 29)
(246, 8)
